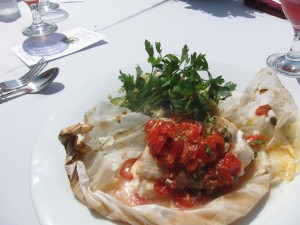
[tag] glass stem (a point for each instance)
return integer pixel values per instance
(35, 14)
(294, 53)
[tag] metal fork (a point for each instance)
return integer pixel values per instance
(26, 78)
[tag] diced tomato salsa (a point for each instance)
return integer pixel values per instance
(185, 147)
(183, 144)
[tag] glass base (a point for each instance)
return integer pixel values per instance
(40, 29)
(284, 65)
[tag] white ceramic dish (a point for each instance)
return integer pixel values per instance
(53, 198)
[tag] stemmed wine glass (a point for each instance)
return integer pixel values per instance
(46, 6)
(289, 64)
(38, 26)
(50, 12)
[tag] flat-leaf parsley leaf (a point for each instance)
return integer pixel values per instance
(174, 84)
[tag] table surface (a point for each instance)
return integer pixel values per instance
(225, 30)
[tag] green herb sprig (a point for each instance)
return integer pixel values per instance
(174, 84)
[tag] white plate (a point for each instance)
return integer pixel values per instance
(53, 198)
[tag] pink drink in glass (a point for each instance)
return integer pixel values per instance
(289, 64)
(29, 2)
(291, 9)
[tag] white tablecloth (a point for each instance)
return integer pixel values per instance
(225, 30)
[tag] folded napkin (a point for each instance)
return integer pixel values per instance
(272, 7)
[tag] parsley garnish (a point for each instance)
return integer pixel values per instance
(174, 84)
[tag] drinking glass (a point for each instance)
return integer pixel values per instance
(38, 26)
(45, 5)
(50, 12)
(289, 64)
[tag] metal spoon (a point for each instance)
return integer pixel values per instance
(36, 85)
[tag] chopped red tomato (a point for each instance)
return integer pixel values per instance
(192, 165)
(232, 164)
(228, 168)
(214, 147)
(218, 139)
(222, 174)
(125, 170)
(169, 153)
(190, 130)
(263, 110)
(149, 125)
(255, 140)
(190, 151)
(158, 133)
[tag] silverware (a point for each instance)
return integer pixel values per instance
(26, 78)
(36, 85)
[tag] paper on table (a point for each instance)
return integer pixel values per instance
(55, 45)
